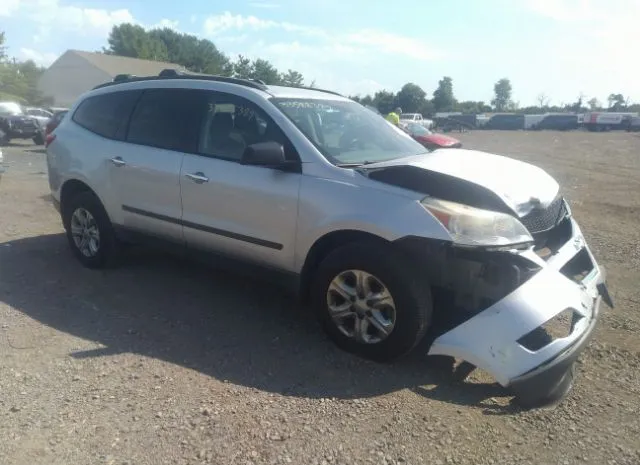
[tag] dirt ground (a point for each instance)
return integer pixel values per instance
(163, 361)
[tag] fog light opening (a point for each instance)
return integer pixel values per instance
(558, 327)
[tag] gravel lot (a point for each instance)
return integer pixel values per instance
(163, 361)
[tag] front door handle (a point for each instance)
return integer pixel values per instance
(118, 161)
(198, 177)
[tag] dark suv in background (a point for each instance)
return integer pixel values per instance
(15, 124)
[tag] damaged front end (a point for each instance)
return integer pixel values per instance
(516, 291)
(522, 314)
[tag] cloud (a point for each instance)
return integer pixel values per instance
(40, 58)
(52, 15)
(395, 44)
(355, 43)
(217, 24)
(8, 7)
(564, 10)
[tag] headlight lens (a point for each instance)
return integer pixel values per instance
(476, 227)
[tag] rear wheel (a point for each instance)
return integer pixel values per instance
(89, 231)
(38, 139)
(4, 138)
(371, 302)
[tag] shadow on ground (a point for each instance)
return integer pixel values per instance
(39, 149)
(225, 326)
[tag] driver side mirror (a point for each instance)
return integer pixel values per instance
(267, 154)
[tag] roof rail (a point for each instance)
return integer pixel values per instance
(320, 90)
(123, 77)
(171, 73)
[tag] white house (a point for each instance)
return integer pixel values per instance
(76, 72)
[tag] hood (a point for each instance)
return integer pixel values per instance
(472, 177)
(439, 139)
(19, 118)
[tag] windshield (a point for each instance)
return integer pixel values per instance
(407, 116)
(347, 133)
(417, 130)
(10, 109)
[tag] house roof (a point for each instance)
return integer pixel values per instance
(114, 65)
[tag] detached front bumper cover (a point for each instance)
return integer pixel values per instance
(492, 340)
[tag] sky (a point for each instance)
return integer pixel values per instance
(559, 48)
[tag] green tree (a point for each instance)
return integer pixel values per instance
(197, 55)
(411, 98)
(242, 68)
(617, 102)
(502, 90)
(543, 101)
(594, 104)
(471, 107)
(292, 78)
(443, 99)
(131, 40)
(3, 49)
(264, 71)
(384, 101)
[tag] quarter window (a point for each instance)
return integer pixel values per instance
(106, 114)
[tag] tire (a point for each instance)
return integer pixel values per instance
(4, 138)
(38, 139)
(411, 297)
(106, 248)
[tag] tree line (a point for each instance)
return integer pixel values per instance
(196, 55)
(411, 98)
(19, 79)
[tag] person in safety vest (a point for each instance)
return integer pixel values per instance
(394, 116)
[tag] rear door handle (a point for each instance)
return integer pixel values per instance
(198, 177)
(118, 161)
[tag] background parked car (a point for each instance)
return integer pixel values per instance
(416, 118)
(15, 124)
(42, 117)
(54, 122)
(430, 140)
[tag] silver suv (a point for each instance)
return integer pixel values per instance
(385, 240)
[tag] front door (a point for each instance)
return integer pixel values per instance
(244, 211)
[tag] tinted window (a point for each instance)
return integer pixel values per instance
(106, 114)
(232, 123)
(168, 119)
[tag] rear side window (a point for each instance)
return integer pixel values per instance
(107, 114)
(168, 119)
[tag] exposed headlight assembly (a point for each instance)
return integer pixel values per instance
(469, 226)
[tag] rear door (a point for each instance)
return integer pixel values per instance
(145, 171)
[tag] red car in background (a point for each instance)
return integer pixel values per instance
(429, 139)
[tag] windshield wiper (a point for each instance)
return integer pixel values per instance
(353, 165)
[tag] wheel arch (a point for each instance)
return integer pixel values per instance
(323, 246)
(72, 187)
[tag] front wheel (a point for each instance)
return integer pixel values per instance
(371, 302)
(89, 231)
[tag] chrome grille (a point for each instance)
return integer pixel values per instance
(540, 220)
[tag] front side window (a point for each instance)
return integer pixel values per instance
(347, 133)
(232, 123)
(106, 114)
